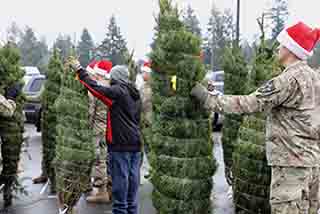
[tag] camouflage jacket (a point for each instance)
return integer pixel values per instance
(146, 105)
(97, 116)
(7, 107)
(292, 103)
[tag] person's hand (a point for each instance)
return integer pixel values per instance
(74, 63)
(199, 92)
(13, 91)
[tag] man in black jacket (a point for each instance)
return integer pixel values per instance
(123, 134)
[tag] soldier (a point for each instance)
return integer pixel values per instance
(7, 106)
(98, 115)
(11, 137)
(292, 103)
(146, 117)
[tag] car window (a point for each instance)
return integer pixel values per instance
(36, 85)
(219, 77)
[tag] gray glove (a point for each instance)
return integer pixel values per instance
(199, 92)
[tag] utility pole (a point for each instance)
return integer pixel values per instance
(238, 24)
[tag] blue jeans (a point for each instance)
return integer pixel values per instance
(125, 173)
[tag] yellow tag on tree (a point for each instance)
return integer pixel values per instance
(174, 82)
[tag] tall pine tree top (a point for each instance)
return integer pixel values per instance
(191, 22)
(114, 46)
(85, 48)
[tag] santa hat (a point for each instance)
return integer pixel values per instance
(300, 39)
(90, 67)
(146, 67)
(103, 68)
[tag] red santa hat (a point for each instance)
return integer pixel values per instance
(300, 39)
(103, 68)
(90, 67)
(146, 67)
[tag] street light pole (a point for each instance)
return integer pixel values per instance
(238, 24)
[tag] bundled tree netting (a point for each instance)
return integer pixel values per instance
(49, 117)
(252, 175)
(11, 128)
(181, 148)
(75, 150)
(235, 83)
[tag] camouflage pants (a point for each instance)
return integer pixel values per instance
(294, 190)
(100, 175)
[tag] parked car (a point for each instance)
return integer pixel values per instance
(32, 108)
(29, 73)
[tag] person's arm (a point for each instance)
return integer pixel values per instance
(97, 90)
(7, 107)
(274, 93)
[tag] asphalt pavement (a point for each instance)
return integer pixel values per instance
(36, 203)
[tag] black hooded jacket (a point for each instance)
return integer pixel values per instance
(124, 103)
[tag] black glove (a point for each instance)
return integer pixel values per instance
(13, 91)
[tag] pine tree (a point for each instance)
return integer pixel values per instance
(49, 117)
(33, 52)
(191, 22)
(250, 168)
(235, 83)
(11, 129)
(75, 151)
(114, 46)
(85, 48)
(181, 148)
(219, 36)
(64, 45)
(279, 14)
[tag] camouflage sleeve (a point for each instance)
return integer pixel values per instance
(276, 92)
(7, 107)
(147, 105)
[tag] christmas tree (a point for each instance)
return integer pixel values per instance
(49, 116)
(181, 147)
(235, 83)
(75, 152)
(252, 175)
(11, 128)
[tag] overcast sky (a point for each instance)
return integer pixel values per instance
(135, 17)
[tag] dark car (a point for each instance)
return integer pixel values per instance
(32, 108)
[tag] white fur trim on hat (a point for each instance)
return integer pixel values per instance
(285, 40)
(146, 69)
(101, 72)
(90, 70)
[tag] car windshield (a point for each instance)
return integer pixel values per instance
(35, 85)
(219, 77)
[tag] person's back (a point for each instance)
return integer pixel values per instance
(296, 121)
(125, 117)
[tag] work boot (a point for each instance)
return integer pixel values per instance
(102, 196)
(40, 180)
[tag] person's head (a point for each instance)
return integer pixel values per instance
(120, 73)
(146, 72)
(297, 43)
(102, 72)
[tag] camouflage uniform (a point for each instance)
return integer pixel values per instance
(146, 97)
(98, 117)
(7, 107)
(292, 103)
